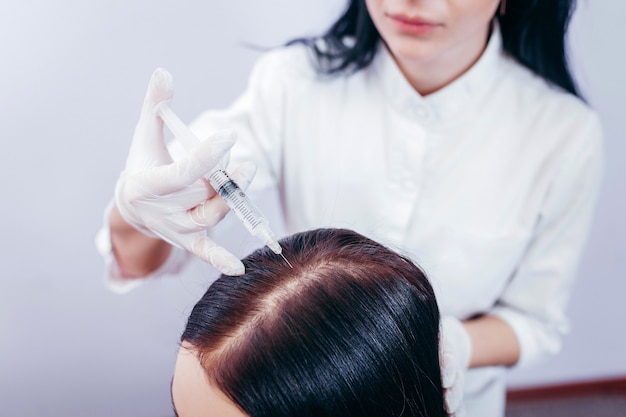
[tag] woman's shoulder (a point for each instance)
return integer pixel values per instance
(286, 63)
(536, 93)
(551, 117)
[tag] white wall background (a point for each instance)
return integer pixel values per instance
(72, 78)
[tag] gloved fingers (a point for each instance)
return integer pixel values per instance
(166, 179)
(214, 209)
(449, 369)
(209, 213)
(133, 189)
(195, 194)
(127, 195)
(454, 395)
(459, 413)
(199, 218)
(456, 340)
(454, 355)
(243, 174)
(210, 189)
(225, 160)
(220, 258)
(204, 248)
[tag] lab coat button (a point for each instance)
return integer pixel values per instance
(422, 112)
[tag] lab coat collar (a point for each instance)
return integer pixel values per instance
(450, 100)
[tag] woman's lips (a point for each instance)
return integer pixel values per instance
(413, 25)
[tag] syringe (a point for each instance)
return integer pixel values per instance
(237, 200)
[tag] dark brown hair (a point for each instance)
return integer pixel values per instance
(351, 330)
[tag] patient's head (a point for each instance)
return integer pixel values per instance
(351, 330)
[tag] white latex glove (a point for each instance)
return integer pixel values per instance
(455, 354)
(172, 200)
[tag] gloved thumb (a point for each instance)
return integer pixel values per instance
(456, 342)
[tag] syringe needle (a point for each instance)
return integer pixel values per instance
(283, 256)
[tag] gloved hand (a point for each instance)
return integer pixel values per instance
(455, 353)
(172, 200)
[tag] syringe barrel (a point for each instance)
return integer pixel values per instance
(243, 207)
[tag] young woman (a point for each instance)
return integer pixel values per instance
(449, 128)
(350, 329)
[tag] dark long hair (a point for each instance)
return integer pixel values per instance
(533, 32)
(351, 330)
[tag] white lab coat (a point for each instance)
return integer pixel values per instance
(489, 183)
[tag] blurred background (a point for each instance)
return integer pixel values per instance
(72, 79)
